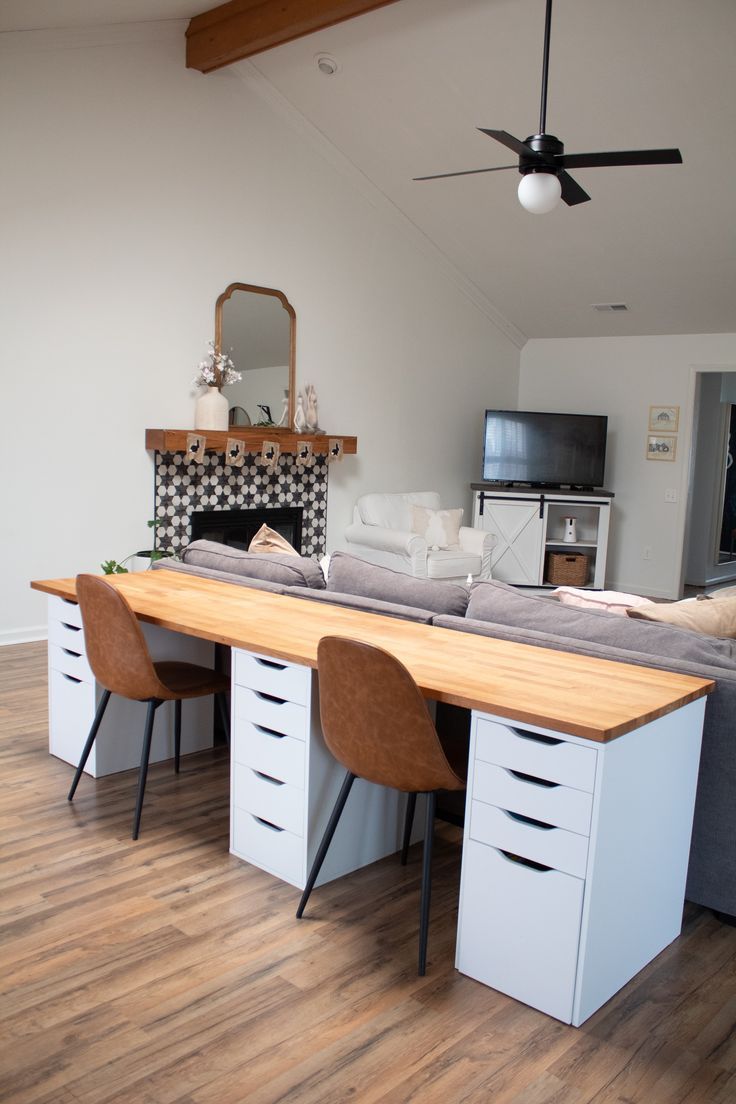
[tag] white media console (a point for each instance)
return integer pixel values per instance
(529, 524)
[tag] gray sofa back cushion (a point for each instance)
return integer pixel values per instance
(503, 605)
(350, 575)
(222, 576)
(365, 605)
(272, 567)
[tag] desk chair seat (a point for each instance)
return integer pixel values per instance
(376, 723)
(121, 663)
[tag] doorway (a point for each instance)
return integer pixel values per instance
(710, 533)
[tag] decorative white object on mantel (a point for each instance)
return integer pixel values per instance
(211, 410)
(300, 420)
(310, 402)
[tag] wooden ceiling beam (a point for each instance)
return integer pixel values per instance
(241, 28)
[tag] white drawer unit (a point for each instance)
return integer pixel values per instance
(263, 749)
(542, 755)
(288, 681)
(522, 933)
(74, 695)
(278, 802)
(537, 798)
(284, 780)
(575, 857)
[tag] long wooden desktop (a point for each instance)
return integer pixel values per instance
(581, 779)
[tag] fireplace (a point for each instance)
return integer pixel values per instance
(238, 527)
(208, 489)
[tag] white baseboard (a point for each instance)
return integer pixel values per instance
(24, 636)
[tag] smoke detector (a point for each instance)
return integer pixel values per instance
(326, 64)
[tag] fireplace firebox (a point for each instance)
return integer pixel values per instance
(238, 527)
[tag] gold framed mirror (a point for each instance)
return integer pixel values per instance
(256, 326)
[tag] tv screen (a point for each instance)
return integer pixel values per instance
(523, 446)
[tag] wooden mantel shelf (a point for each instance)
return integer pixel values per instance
(175, 440)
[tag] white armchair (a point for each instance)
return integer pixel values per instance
(381, 532)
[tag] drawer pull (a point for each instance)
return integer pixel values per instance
(529, 820)
(271, 663)
(69, 652)
(270, 732)
(519, 860)
(267, 823)
(70, 602)
(537, 737)
(533, 779)
(269, 698)
(71, 628)
(70, 678)
(268, 778)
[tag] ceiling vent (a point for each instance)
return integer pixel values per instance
(610, 307)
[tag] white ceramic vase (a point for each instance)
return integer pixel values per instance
(211, 410)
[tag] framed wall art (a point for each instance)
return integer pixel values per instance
(663, 419)
(661, 447)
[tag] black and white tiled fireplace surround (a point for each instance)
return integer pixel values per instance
(183, 486)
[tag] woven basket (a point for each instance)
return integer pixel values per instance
(567, 569)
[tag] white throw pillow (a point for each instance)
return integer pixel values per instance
(268, 540)
(440, 528)
(607, 601)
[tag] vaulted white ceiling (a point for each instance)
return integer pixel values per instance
(414, 81)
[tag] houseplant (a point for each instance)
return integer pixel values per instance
(117, 567)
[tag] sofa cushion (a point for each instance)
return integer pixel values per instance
(274, 567)
(350, 575)
(365, 605)
(716, 616)
(440, 528)
(221, 576)
(502, 604)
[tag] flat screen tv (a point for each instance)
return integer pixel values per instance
(554, 450)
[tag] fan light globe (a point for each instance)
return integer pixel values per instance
(539, 192)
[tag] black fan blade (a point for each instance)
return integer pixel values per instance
(508, 140)
(572, 193)
(620, 157)
(467, 172)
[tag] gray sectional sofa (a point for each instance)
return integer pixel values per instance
(498, 610)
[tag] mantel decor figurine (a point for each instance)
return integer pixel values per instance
(214, 373)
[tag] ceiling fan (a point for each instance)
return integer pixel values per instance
(543, 163)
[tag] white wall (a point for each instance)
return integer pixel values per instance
(134, 192)
(622, 377)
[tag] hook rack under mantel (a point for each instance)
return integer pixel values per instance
(175, 440)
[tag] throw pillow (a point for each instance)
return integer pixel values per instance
(268, 540)
(609, 601)
(351, 575)
(715, 618)
(440, 528)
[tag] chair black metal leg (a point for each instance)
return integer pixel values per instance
(319, 858)
(224, 715)
(426, 883)
(153, 705)
(177, 735)
(411, 805)
(90, 741)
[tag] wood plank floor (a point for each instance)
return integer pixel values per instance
(167, 972)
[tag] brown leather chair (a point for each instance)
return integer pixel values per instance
(376, 723)
(121, 663)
